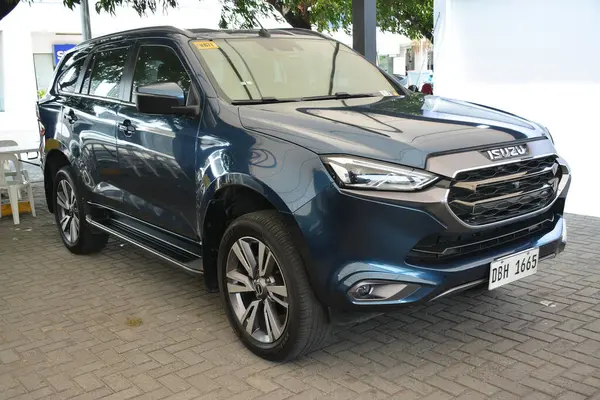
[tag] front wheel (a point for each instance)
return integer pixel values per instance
(266, 291)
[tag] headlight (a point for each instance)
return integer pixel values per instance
(359, 173)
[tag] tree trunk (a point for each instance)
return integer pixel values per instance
(296, 17)
(6, 7)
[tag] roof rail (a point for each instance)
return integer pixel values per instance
(302, 31)
(203, 30)
(138, 31)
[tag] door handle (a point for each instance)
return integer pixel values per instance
(126, 128)
(70, 116)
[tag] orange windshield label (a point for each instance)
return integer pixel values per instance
(205, 45)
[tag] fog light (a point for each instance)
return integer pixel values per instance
(364, 290)
(374, 290)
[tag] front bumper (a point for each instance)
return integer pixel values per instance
(353, 238)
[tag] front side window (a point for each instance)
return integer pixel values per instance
(69, 73)
(157, 64)
(288, 68)
(106, 73)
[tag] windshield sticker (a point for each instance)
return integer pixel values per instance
(205, 45)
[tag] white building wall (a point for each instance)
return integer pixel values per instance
(17, 121)
(1, 75)
(536, 58)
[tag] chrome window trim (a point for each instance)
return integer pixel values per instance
(98, 98)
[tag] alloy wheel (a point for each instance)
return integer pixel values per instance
(257, 290)
(68, 211)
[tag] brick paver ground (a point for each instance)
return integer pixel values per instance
(64, 333)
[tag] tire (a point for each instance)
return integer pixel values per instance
(77, 235)
(305, 325)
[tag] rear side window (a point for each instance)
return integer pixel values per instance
(156, 64)
(104, 78)
(69, 74)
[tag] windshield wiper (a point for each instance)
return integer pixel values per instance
(262, 100)
(339, 95)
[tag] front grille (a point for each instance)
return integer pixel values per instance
(488, 195)
(450, 246)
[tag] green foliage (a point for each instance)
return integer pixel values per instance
(413, 18)
(41, 93)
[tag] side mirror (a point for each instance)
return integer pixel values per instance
(162, 98)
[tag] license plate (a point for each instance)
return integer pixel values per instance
(514, 267)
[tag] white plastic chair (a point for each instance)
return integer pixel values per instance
(10, 143)
(14, 185)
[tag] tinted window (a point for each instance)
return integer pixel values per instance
(70, 70)
(107, 71)
(288, 68)
(157, 64)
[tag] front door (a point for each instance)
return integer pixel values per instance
(157, 152)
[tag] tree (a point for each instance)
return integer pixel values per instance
(413, 18)
(7, 6)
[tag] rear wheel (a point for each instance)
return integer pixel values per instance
(77, 235)
(265, 289)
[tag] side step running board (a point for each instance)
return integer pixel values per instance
(145, 242)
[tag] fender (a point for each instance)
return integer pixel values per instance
(234, 179)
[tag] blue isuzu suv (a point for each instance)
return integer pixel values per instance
(303, 182)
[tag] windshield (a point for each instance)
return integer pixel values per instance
(289, 68)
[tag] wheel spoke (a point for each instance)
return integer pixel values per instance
(261, 257)
(61, 200)
(72, 198)
(243, 285)
(249, 317)
(272, 321)
(64, 223)
(74, 228)
(265, 260)
(239, 249)
(278, 289)
(63, 185)
(279, 301)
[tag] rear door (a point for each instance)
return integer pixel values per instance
(93, 118)
(157, 152)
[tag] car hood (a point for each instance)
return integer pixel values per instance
(405, 130)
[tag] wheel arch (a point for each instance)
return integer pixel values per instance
(54, 160)
(230, 199)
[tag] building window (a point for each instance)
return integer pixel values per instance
(2, 58)
(44, 68)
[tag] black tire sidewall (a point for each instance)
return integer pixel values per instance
(248, 227)
(66, 173)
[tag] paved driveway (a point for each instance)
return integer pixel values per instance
(67, 330)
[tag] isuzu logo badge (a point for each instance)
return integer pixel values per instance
(502, 153)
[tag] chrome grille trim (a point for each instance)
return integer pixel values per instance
(558, 185)
(508, 178)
